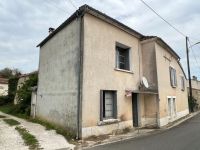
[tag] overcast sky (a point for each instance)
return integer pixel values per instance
(24, 23)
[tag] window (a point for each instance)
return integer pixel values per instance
(182, 83)
(122, 58)
(108, 105)
(171, 106)
(173, 77)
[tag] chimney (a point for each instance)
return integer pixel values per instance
(194, 78)
(51, 30)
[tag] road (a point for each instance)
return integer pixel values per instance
(183, 137)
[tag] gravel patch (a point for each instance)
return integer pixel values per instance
(10, 138)
(48, 139)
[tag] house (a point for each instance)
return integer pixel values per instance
(97, 76)
(22, 79)
(3, 86)
(195, 89)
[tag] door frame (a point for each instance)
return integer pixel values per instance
(135, 109)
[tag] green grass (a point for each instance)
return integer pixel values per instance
(6, 108)
(11, 122)
(1, 116)
(67, 133)
(29, 139)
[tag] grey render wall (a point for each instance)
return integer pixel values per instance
(57, 94)
(149, 64)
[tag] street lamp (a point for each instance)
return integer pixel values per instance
(188, 65)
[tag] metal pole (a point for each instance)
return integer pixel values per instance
(189, 76)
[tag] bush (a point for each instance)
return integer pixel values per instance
(4, 100)
(193, 105)
(12, 87)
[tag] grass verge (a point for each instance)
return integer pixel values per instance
(28, 138)
(1, 116)
(67, 133)
(11, 122)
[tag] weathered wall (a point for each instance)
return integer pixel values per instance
(3, 89)
(149, 64)
(57, 93)
(164, 85)
(195, 90)
(99, 70)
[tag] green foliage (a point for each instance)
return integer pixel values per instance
(24, 95)
(12, 87)
(193, 105)
(4, 100)
(9, 73)
(29, 139)
(11, 122)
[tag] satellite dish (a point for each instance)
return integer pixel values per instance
(145, 82)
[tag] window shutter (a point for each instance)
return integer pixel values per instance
(117, 58)
(115, 105)
(175, 80)
(170, 74)
(101, 105)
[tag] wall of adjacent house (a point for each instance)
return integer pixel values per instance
(20, 83)
(195, 90)
(164, 60)
(57, 94)
(3, 89)
(149, 64)
(100, 74)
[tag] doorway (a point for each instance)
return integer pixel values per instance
(135, 109)
(171, 107)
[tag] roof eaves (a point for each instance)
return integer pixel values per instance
(80, 12)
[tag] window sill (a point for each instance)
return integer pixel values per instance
(108, 121)
(122, 70)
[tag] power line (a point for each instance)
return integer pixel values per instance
(54, 5)
(71, 2)
(163, 18)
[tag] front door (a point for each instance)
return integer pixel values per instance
(135, 109)
(171, 107)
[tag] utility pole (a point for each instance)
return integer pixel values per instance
(189, 76)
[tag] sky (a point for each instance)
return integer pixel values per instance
(25, 23)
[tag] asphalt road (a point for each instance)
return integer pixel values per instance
(183, 137)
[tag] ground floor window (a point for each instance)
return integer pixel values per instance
(108, 104)
(171, 106)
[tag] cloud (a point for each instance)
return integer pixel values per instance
(25, 23)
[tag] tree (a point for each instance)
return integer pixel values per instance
(8, 73)
(24, 94)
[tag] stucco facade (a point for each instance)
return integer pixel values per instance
(58, 79)
(78, 65)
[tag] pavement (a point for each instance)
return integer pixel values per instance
(182, 135)
(48, 139)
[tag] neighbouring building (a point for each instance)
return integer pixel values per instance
(195, 89)
(22, 79)
(92, 77)
(3, 86)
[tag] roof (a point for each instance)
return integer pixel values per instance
(3, 80)
(87, 9)
(161, 42)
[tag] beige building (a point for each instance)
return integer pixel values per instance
(97, 76)
(195, 89)
(3, 86)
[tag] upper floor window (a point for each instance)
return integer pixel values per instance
(122, 57)
(173, 79)
(182, 83)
